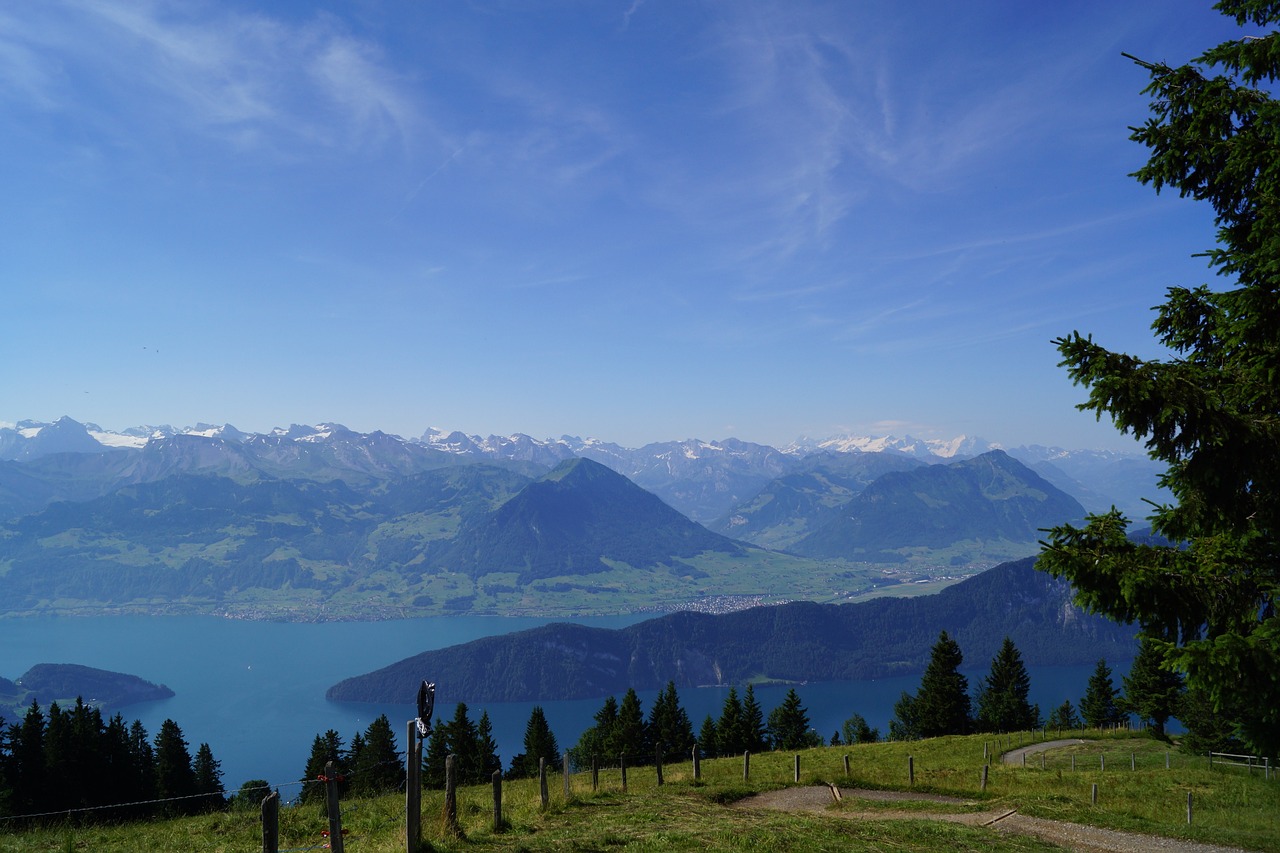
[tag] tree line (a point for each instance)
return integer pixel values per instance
(1153, 693)
(73, 759)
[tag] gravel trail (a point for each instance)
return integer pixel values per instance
(1072, 836)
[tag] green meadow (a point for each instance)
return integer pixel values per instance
(1136, 792)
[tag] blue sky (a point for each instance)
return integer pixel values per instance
(635, 220)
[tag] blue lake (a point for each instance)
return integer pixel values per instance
(254, 691)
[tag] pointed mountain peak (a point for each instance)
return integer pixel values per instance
(578, 470)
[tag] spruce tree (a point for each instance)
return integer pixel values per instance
(942, 705)
(597, 741)
(708, 739)
(1003, 705)
(1211, 410)
(378, 767)
(439, 747)
(539, 742)
(630, 734)
(754, 730)
(1206, 730)
(325, 748)
(468, 767)
(1152, 691)
(789, 724)
(669, 725)
(175, 778)
(730, 733)
(26, 762)
(486, 748)
(142, 760)
(208, 780)
(1099, 706)
(1063, 717)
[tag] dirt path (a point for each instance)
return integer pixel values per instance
(1017, 756)
(1073, 836)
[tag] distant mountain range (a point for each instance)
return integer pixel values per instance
(705, 480)
(327, 521)
(794, 642)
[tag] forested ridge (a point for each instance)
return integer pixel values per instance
(792, 642)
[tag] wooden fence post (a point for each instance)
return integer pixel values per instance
(542, 783)
(450, 796)
(565, 760)
(985, 769)
(657, 762)
(331, 800)
(911, 769)
(1102, 762)
(412, 789)
(846, 764)
(497, 800)
(622, 762)
(595, 773)
(797, 767)
(697, 764)
(1093, 797)
(271, 822)
(746, 765)
(1188, 808)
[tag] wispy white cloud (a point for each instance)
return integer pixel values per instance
(249, 80)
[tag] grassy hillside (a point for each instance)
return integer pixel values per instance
(1230, 807)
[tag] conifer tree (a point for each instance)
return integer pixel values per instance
(708, 739)
(754, 730)
(789, 724)
(630, 734)
(669, 724)
(730, 734)
(1099, 706)
(1206, 730)
(486, 748)
(142, 760)
(208, 780)
(26, 762)
(941, 707)
(1211, 410)
(1063, 717)
(1003, 705)
(1152, 691)
(539, 742)
(175, 777)
(378, 767)
(325, 748)
(597, 741)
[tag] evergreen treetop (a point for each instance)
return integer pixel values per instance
(1210, 411)
(1003, 704)
(942, 705)
(1100, 707)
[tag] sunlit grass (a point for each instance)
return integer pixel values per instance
(1229, 806)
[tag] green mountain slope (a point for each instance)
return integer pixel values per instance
(989, 497)
(792, 506)
(579, 519)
